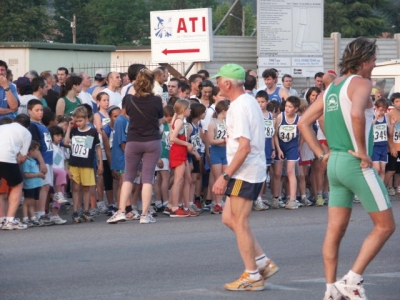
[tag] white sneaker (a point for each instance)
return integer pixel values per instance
(152, 211)
(59, 197)
(194, 208)
(57, 220)
(299, 204)
(258, 205)
(351, 291)
(117, 217)
(356, 199)
(306, 202)
(331, 296)
(282, 204)
(291, 205)
(147, 219)
(15, 224)
(133, 215)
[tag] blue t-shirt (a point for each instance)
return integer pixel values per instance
(30, 166)
(117, 154)
(3, 101)
(46, 143)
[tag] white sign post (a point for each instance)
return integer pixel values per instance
(290, 36)
(181, 35)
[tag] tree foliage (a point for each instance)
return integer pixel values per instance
(354, 18)
(24, 20)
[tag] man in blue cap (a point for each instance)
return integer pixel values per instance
(244, 176)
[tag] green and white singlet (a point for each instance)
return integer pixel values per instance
(346, 177)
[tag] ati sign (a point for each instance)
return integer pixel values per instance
(181, 35)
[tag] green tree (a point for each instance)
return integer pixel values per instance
(250, 19)
(353, 18)
(24, 20)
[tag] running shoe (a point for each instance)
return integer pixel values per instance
(36, 222)
(275, 203)
(197, 203)
(282, 203)
(59, 197)
(14, 225)
(147, 219)
(320, 201)
(195, 208)
(258, 205)
(111, 210)
(356, 199)
(178, 213)
(133, 215)
(291, 205)
(330, 296)
(57, 220)
(28, 223)
(191, 212)
(46, 220)
(391, 191)
(306, 202)
(216, 209)
(76, 218)
(269, 270)
(102, 207)
(87, 217)
(117, 217)
(299, 204)
(167, 210)
(351, 291)
(94, 212)
(244, 283)
(152, 211)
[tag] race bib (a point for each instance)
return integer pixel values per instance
(380, 133)
(396, 133)
(287, 132)
(79, 148)
(48, 141)
(269, 128)
(221, 132)
(196, 142)
(105, 121)
(166, 141)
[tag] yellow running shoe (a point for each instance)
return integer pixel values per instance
(320, 201)
(244, 283)
(269, 270)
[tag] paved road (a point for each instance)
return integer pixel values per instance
(184, 259)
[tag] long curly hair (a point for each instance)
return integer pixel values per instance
(358, 51)
(144, 83)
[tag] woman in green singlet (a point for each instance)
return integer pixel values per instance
(69, 100)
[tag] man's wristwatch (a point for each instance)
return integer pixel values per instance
(7, 89)
(226, 176)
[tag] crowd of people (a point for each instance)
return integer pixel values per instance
(134, 148)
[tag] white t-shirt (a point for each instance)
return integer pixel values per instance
(125, 88)
(86, 98)
(115, 97)
(14, 139)
(244, 119)
(207, 119)
(23, 100)
(58, 157)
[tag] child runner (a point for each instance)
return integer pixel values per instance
(42, 135)
(180, 148)
(216, 136)
(379, 153)
(287, 147)
(197, 113)
(33, 182)
(269, 129)
(84, 142)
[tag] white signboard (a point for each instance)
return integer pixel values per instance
(290, 36)
(181, 35)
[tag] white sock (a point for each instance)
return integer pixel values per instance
(25, 219)
(259, 198)
(354, 277)
(10, 219)
(40, 213)
(158, 203)
(191, 203)
(261, 261)
(253, 275)
(303, 196)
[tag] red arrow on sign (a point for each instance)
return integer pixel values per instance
(166, 52)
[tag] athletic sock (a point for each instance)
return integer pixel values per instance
(261, 261)
(330, 288)
(354, 277)
(253, 275)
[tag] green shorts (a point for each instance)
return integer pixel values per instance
(347, 178)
